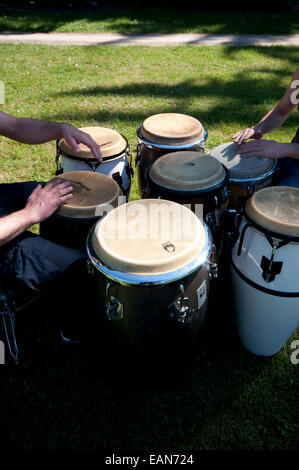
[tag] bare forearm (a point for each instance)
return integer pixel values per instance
(13, 225)
(290, 150)
(271, 121)
(31, 131)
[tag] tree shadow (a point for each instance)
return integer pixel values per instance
(243, 99)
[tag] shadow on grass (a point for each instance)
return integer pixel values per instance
(242, 99)
(150, 20)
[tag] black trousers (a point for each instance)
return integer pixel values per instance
(41, 265)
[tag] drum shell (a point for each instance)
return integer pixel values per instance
(118, 168)
(267, 313)
(241, 191)
(204, 197)
(147, 326)
(66, 231)
(147, 154)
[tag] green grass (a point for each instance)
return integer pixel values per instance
(148, 20)
(226, 399)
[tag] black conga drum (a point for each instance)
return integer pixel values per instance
(165, 133)
(152, 260)
(94, 195)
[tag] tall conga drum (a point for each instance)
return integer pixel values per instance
(94, 195)
(165, 133)
(246, 175)
(265, 263)
(152, 261)
(194, 179)
(116, 164)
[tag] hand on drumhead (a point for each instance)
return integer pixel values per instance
(74, 137)
(44, 201)
(245, 134)
(262, 148)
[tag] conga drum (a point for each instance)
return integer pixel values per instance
(116, 156)
(265, 263)
(246, 175)
(165, 133)
(94, 195)
(194, 179)
(152, 260)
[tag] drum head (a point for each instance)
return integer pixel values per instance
(111, 143)
(91, 192)
(241, 168)
(171, 129)
(187, 171)
(276, 209)
(149, 236)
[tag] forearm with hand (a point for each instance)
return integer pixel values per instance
(42, 203)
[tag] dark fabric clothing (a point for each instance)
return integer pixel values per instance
(41, 265)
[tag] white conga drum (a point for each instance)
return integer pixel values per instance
(265, 263)
(246, 175)
(115, 153)
(165, 133)
(152, 261)
(94, 195)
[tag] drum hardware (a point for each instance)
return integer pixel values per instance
(213, 266)
(129, 168)
(180, 307)
(114, 308)
(272, 268)
(8, 318)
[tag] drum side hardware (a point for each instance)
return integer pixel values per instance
(114, 308)
(270, 267)
(179, 309)
(213, 266)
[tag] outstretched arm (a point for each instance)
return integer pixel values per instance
(34, 131)
(276, 116)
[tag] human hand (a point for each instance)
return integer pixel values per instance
(74, 137)
(262, 148)
(44, 201)
(249, 133)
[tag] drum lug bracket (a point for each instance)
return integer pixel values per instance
(114, 308)
(213, 266)
(179, 309)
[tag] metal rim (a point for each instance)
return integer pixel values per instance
(202, 139)
(128, 279)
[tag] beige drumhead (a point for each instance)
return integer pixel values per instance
(90, 191)
(276, 209)
(171, 129)
(149, 236)
(187, 171)
(238, 167)
(111, 143)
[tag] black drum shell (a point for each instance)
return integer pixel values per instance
(147, 326)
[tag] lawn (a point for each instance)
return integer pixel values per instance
(223, 398)
(149, 20)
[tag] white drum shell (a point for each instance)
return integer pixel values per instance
(265, 321)
(108, 168)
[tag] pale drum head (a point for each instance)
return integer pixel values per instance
(149, 236)
(187, 171)
(171, 129)
(276, 209)
(91, 191)
(111, 143)
(241, 168)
